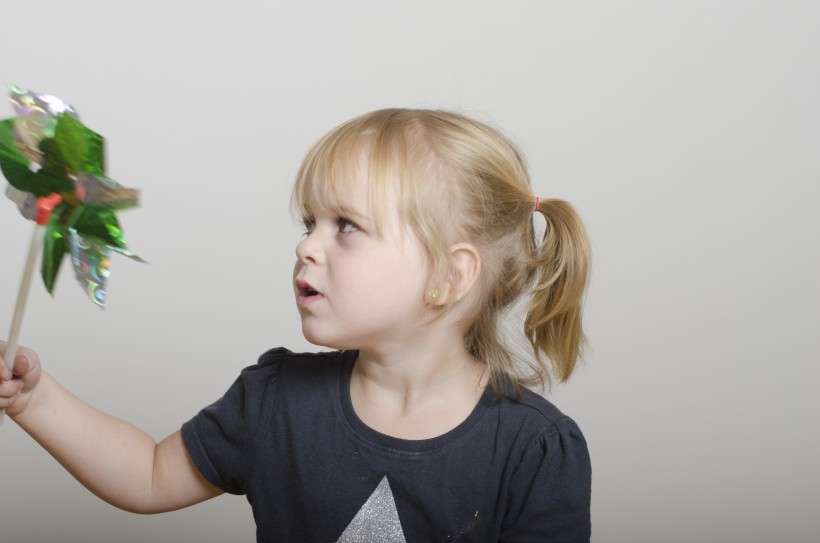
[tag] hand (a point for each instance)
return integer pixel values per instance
(17, 386)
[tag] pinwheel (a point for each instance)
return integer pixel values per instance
(55, 167)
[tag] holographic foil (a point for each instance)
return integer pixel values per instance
(37, 116)
(103, 191)
(26, 202)
(91, 261)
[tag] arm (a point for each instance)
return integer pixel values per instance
(115, 460)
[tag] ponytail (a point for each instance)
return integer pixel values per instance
(561, 268)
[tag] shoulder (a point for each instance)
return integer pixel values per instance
(259, 385)
(537, 417)
(544, 442)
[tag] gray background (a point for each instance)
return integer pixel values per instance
(686, 133)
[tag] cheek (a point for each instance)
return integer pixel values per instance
(401, 279)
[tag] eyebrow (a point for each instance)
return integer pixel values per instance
(341, 209)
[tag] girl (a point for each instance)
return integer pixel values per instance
(419, 238)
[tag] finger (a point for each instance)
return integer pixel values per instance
(10, 389)
(21, 364)
(8, 401)
(5, 403)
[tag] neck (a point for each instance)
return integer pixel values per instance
(429, 366)
(416, 393)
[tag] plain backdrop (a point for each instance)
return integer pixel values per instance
(686, 133)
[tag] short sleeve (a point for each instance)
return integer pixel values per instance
(551, 488)
(223, 438)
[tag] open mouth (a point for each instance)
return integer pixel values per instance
(305, 291)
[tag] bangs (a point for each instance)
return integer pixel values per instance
(380, 145)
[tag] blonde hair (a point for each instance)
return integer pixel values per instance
(457, 179)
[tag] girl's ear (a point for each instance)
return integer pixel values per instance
(466, 267)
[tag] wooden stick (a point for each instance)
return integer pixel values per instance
(22, 299)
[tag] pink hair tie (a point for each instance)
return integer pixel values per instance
(537, 200)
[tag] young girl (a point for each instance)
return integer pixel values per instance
(420, 237)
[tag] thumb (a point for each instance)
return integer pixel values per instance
(26, 367)
(21, 364)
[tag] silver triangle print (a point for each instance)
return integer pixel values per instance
(377, 520)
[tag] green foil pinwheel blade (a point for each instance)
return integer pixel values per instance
(14, 165)
(82, 148)
(55, 247)
(52, 175)
(101, 225)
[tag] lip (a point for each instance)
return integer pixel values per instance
(306, 294)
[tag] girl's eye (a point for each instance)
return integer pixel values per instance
(309, 225)
(346, 226)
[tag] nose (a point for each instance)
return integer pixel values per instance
(309, 249)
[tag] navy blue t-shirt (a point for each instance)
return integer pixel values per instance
(285, 434)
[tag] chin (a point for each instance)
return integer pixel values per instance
(319, 340)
